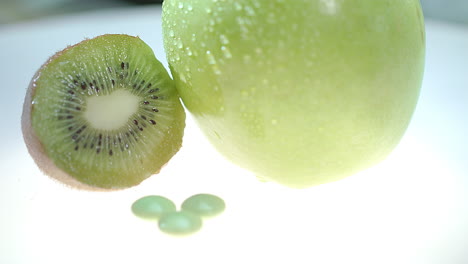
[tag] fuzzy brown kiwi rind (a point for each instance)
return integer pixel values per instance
(48, 166)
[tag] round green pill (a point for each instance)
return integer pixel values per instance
(152, 207)
(180, 223)
(204, 205)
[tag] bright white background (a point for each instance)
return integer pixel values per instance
(412, 208)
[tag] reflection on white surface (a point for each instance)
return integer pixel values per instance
(412, 208)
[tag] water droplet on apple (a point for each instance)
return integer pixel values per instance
(210, 57)
(237, 6)
(181, 5)
(257, 4)
(216, 69)
(242, 25)
(188, 51)
(224, 40)
(180, 45)
(182, 77)
(171, 33)
(249, 10)
(329, 7)
(226, 52)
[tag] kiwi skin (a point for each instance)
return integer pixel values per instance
(37, 150)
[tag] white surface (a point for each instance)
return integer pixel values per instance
(412, 208)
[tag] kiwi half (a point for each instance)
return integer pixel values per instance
(103, 114)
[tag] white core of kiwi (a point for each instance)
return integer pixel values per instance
(112, 111)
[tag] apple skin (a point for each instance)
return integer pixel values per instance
(300, 92)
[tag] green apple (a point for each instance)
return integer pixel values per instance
(300, 92)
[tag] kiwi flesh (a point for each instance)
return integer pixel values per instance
(103, 114)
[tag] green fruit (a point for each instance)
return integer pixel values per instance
(103, 114)
(301, 92)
